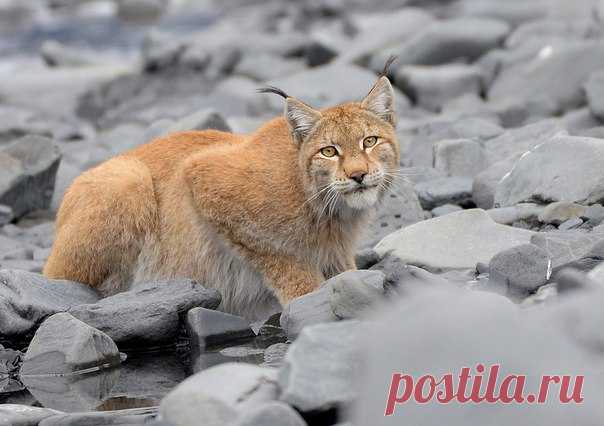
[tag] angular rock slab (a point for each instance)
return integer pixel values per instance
(28, 168)
(27, 298)
(207, 327)
(352, 292)
(64, 345)
(312, 308)
(458, 240)
(319, 369)
(23, 415)
(214, 397)
(149, 313)
(565, 169)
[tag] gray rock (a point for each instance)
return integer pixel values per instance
(512, 12)
(218, 395)
(132, 416)
(271, 414)
(352, 292)
(450, 190)
(423, 135)
(431, 86)
(395, 27)
(207, 327)
(510, 215)
(456, 241)
(595, 93)
(26, 299)
(23, 415)
(459, 157)
(451, 330)
(319, 369)
(561, 211)
(446, 209)
(65, 345)
(537, 80)
(147, 314)
(523, 268)
(324, 86)
(6, 214)
(565, 247)
(573, 223)
(485, 183)
(514, 142)
(312, 308)
(546, 174)
(446, 41)
(28, 167)
(400, 207)
(201, 120)
(547, 31)
(263, 67)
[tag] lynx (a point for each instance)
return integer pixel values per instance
(272, 213)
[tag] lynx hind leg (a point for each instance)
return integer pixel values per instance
(104, 219)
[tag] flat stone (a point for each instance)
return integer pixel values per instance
(445, 41)
(456, 241)
(569, 224)
(132, 416)
(510, 215)
(23, 415)
(216, 396)
(207, 327)
(64, 345)
(27, 298)
(546, 174)
(147, 314)
(320, 366)
(561, 211)
(565, 247)
(353, 292)
(445, 209)
(450, 190)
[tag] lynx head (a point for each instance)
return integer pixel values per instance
(348, 154)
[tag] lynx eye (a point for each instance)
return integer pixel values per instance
(329, 151)
(370, 141)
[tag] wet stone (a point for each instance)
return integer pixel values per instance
(207, 327)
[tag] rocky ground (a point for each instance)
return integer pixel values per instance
(489, 249)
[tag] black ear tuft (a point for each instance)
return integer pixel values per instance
(275, 90)
(387, 65)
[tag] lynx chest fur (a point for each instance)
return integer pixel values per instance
(263, 218)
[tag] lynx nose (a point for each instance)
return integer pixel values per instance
(358, 177)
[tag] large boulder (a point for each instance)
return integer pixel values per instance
(217, 396)
(66, 345)
(26, 299)
(538, 80)
(446, 41)
(149, 313)
(28, 167)
(458, 240)
(565, 169)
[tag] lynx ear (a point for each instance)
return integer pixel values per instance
(301, 118)
(380, 100)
